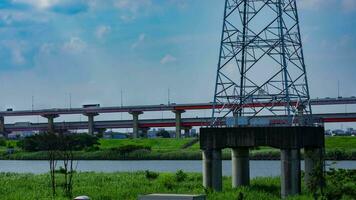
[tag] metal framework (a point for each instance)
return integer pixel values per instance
(261, 60)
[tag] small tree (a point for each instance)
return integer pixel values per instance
(50, 144)
(67, 145)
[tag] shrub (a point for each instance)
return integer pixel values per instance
(151, 175)
(180, 176)
(168, 182)
(2, 142)
(46, 142)
(130, 148)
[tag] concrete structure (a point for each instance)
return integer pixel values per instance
(212, 169)
(312, 163)
(91, 123)
(289, 139)
(172, 197)
(50, 124)
(158, 123)
(135, 123)
(240, 167)
(178, 122)
(171, 107)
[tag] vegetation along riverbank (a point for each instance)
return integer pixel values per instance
(91, 148)
(340, 184)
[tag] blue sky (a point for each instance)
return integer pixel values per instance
(95, 48)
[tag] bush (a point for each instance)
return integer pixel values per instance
(180, 176)
(91, 149)
(168, 182)
(46, 142)
(130, 148)
(341, 184)
(2, 142)
(151, 175)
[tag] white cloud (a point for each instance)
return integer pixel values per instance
(75, 45)
(16, 49)
(40, 4)
(131, 9)
(17, 56)
(168, 59)
(314, 4)
(102, 31)
(139, 41)
(133, 6)
(348, 5)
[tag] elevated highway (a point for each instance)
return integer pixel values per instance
(161, 107)
(150, 123)
(136, 111)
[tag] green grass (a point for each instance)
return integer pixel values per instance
(337, 148)
(111, 186)
(345, 143)
(340, 184)
(159, 144)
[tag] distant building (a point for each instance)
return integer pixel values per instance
(20, 134)
(338, 132)
(152, 133)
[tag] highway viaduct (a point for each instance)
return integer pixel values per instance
(136, 124)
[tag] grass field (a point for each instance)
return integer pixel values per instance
(128, 186)
(340, 184)
(346, 143)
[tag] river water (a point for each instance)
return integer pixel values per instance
(257, 168)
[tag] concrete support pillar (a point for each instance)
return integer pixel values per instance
(51, 117)
(313, 164)
(240, 167)
(2, 124)
(290, 172)
(91, 122)
(178, 122)
(212, 169)
(135, 123)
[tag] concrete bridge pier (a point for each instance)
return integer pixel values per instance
(313, 163)
(290, 172)
(91, 122)
(50, 118)
(2, 124)
(135, 121)
(240, 167)
(212, 169)
(178, 122)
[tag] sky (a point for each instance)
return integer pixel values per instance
(92, 50)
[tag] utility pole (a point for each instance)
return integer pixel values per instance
(122, 103)
(338, 88)
(32, 102)
(70, 100)
(169, 96)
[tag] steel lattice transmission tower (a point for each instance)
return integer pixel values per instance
(261, 69)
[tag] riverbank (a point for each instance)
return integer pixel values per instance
(337, 148)
(105, 186)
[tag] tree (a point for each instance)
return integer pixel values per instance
(163, 133)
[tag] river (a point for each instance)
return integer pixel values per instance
(258, 168)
